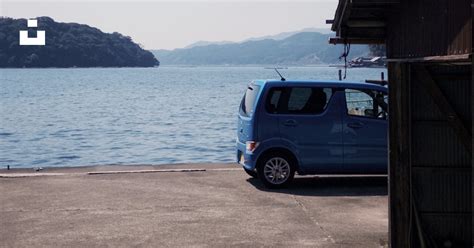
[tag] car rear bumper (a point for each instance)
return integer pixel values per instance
(247, 160)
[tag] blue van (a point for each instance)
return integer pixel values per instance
(312, 127)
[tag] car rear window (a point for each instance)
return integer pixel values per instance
(249, 100)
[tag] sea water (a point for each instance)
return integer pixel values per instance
(94, 116)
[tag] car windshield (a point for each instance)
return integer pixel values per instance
(249, 100)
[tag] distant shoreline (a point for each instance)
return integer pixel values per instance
(336, 66)
(94, 67)
(181, 66)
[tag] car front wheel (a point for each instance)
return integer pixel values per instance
(276, 170)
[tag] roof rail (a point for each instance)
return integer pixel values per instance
(379, 82)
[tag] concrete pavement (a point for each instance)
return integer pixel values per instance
(208, 205)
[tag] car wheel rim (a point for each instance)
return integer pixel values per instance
(276, 170)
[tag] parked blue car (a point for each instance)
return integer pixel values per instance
(312, 127)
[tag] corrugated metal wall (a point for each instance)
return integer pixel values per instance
(430, 167)
(440, 164)
(430, 28)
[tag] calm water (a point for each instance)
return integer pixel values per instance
(77, 117)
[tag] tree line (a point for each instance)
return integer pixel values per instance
(69, 45)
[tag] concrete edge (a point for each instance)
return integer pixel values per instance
(39, 174)
(144, 171)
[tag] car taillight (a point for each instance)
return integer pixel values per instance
(251, 146)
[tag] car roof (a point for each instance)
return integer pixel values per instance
(323, 83)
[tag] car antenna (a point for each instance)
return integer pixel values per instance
(281, 77)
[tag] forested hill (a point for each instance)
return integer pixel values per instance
(69, 45)
(304, 48)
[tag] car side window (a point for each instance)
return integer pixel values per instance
(366, 103)
(298, 100)
(273, 100)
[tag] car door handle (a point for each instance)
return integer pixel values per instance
(290, 123)
(355, 124)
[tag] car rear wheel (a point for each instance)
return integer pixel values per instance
(251, 173)
(276, 170)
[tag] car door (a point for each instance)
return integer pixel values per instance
(365, 131)
(309, 118)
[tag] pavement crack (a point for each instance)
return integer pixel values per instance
(313, 220)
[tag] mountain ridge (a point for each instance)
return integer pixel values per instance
(303, 48)
(279, 36)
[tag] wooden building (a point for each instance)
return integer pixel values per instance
(430, 66)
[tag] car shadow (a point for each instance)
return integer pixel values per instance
(331, 186)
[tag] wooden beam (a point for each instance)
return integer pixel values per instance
(375, 2)
(342, 13)
(354, 23)
(337, 15)
(446, 58)
(399, 154)
(345, 16)
(472, 120)
(371, 9)
(428, 84)
(355, 41)
(363, 32)
(345, 7)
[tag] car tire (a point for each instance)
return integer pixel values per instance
(276, 170)
(251, 173)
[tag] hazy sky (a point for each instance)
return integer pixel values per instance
(173, 24)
